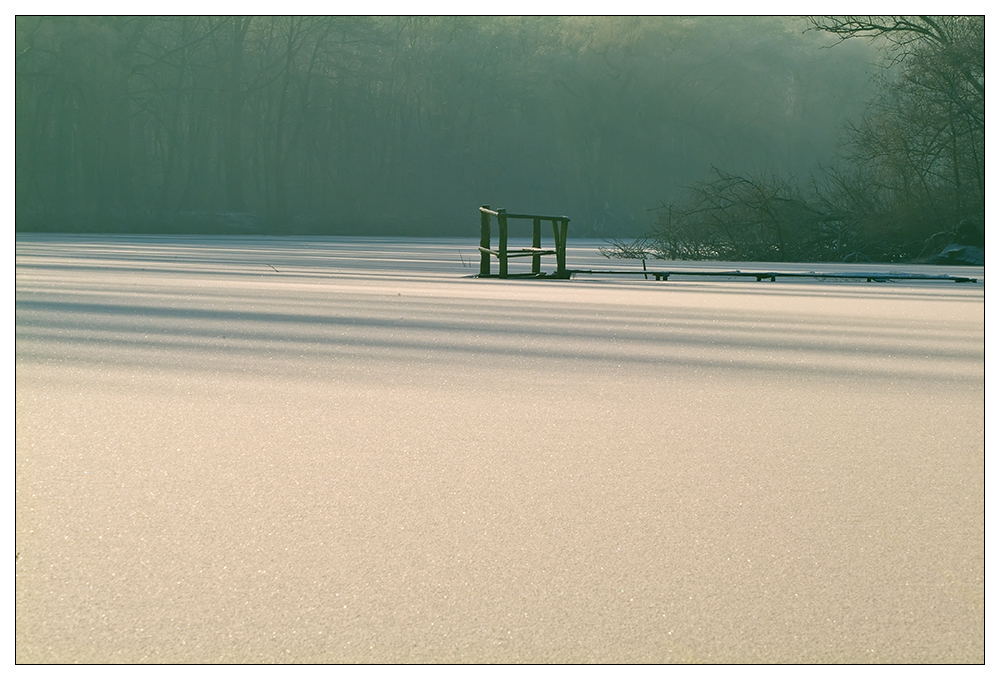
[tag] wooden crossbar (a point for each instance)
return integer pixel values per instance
(520, 216)
(520, 252)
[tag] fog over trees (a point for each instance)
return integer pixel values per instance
(404, 125)
(908, 183)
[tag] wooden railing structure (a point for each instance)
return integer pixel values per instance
(560, 225)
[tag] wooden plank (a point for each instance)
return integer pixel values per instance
(529, 253)
(521, 216)
(761, 275)
(523, 252)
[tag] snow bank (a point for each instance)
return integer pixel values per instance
(349, 450)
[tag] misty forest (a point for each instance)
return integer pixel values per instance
(765, 138)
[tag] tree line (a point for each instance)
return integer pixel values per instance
(404, 125)
(768, 138)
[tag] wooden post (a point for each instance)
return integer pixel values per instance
(560, 263)
(536, 242)
(484, 241)
(502, 221)
(561, 249)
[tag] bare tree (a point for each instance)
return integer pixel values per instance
(922, 141)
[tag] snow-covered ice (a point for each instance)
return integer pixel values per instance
(349, 450)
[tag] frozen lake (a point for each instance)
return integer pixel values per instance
(252, 449)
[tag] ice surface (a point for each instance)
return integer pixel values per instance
(349, 450)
